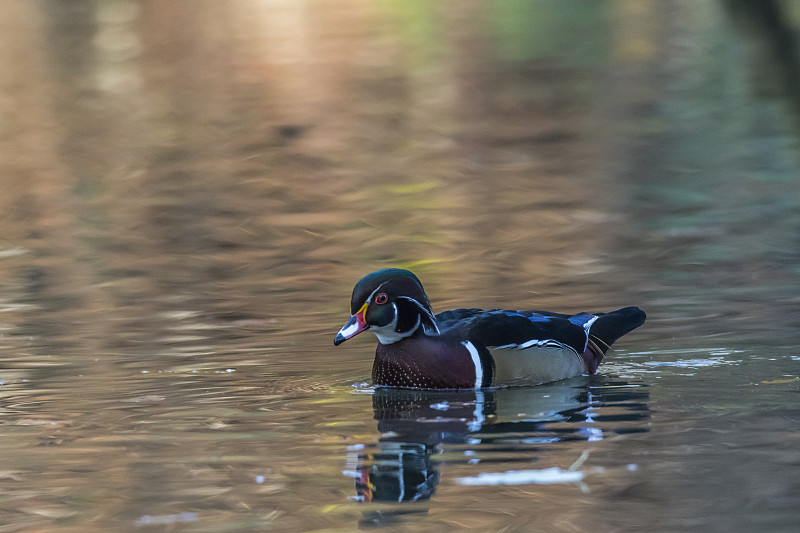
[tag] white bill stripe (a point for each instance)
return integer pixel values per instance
(349, 331)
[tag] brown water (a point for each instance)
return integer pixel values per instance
(190, 189)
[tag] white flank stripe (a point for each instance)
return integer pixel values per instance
(476, 360)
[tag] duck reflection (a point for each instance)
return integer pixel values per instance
(416, 426)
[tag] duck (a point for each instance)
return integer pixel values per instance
(474, 348)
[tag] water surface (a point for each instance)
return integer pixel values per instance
(191, 189)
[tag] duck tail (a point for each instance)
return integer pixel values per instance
(611, 326)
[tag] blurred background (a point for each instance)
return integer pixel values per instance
(190, 189)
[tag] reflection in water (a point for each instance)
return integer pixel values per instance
(423, 430)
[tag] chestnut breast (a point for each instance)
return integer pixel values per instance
(423, 362)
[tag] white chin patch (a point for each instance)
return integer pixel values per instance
(387, 334)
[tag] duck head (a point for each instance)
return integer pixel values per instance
(392, 304)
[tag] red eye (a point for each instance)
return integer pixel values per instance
(381, 298)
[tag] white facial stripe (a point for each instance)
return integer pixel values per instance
(387, 334)
(476, 360)
(422, 309)
(369, 298)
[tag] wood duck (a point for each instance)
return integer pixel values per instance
(474, 348)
